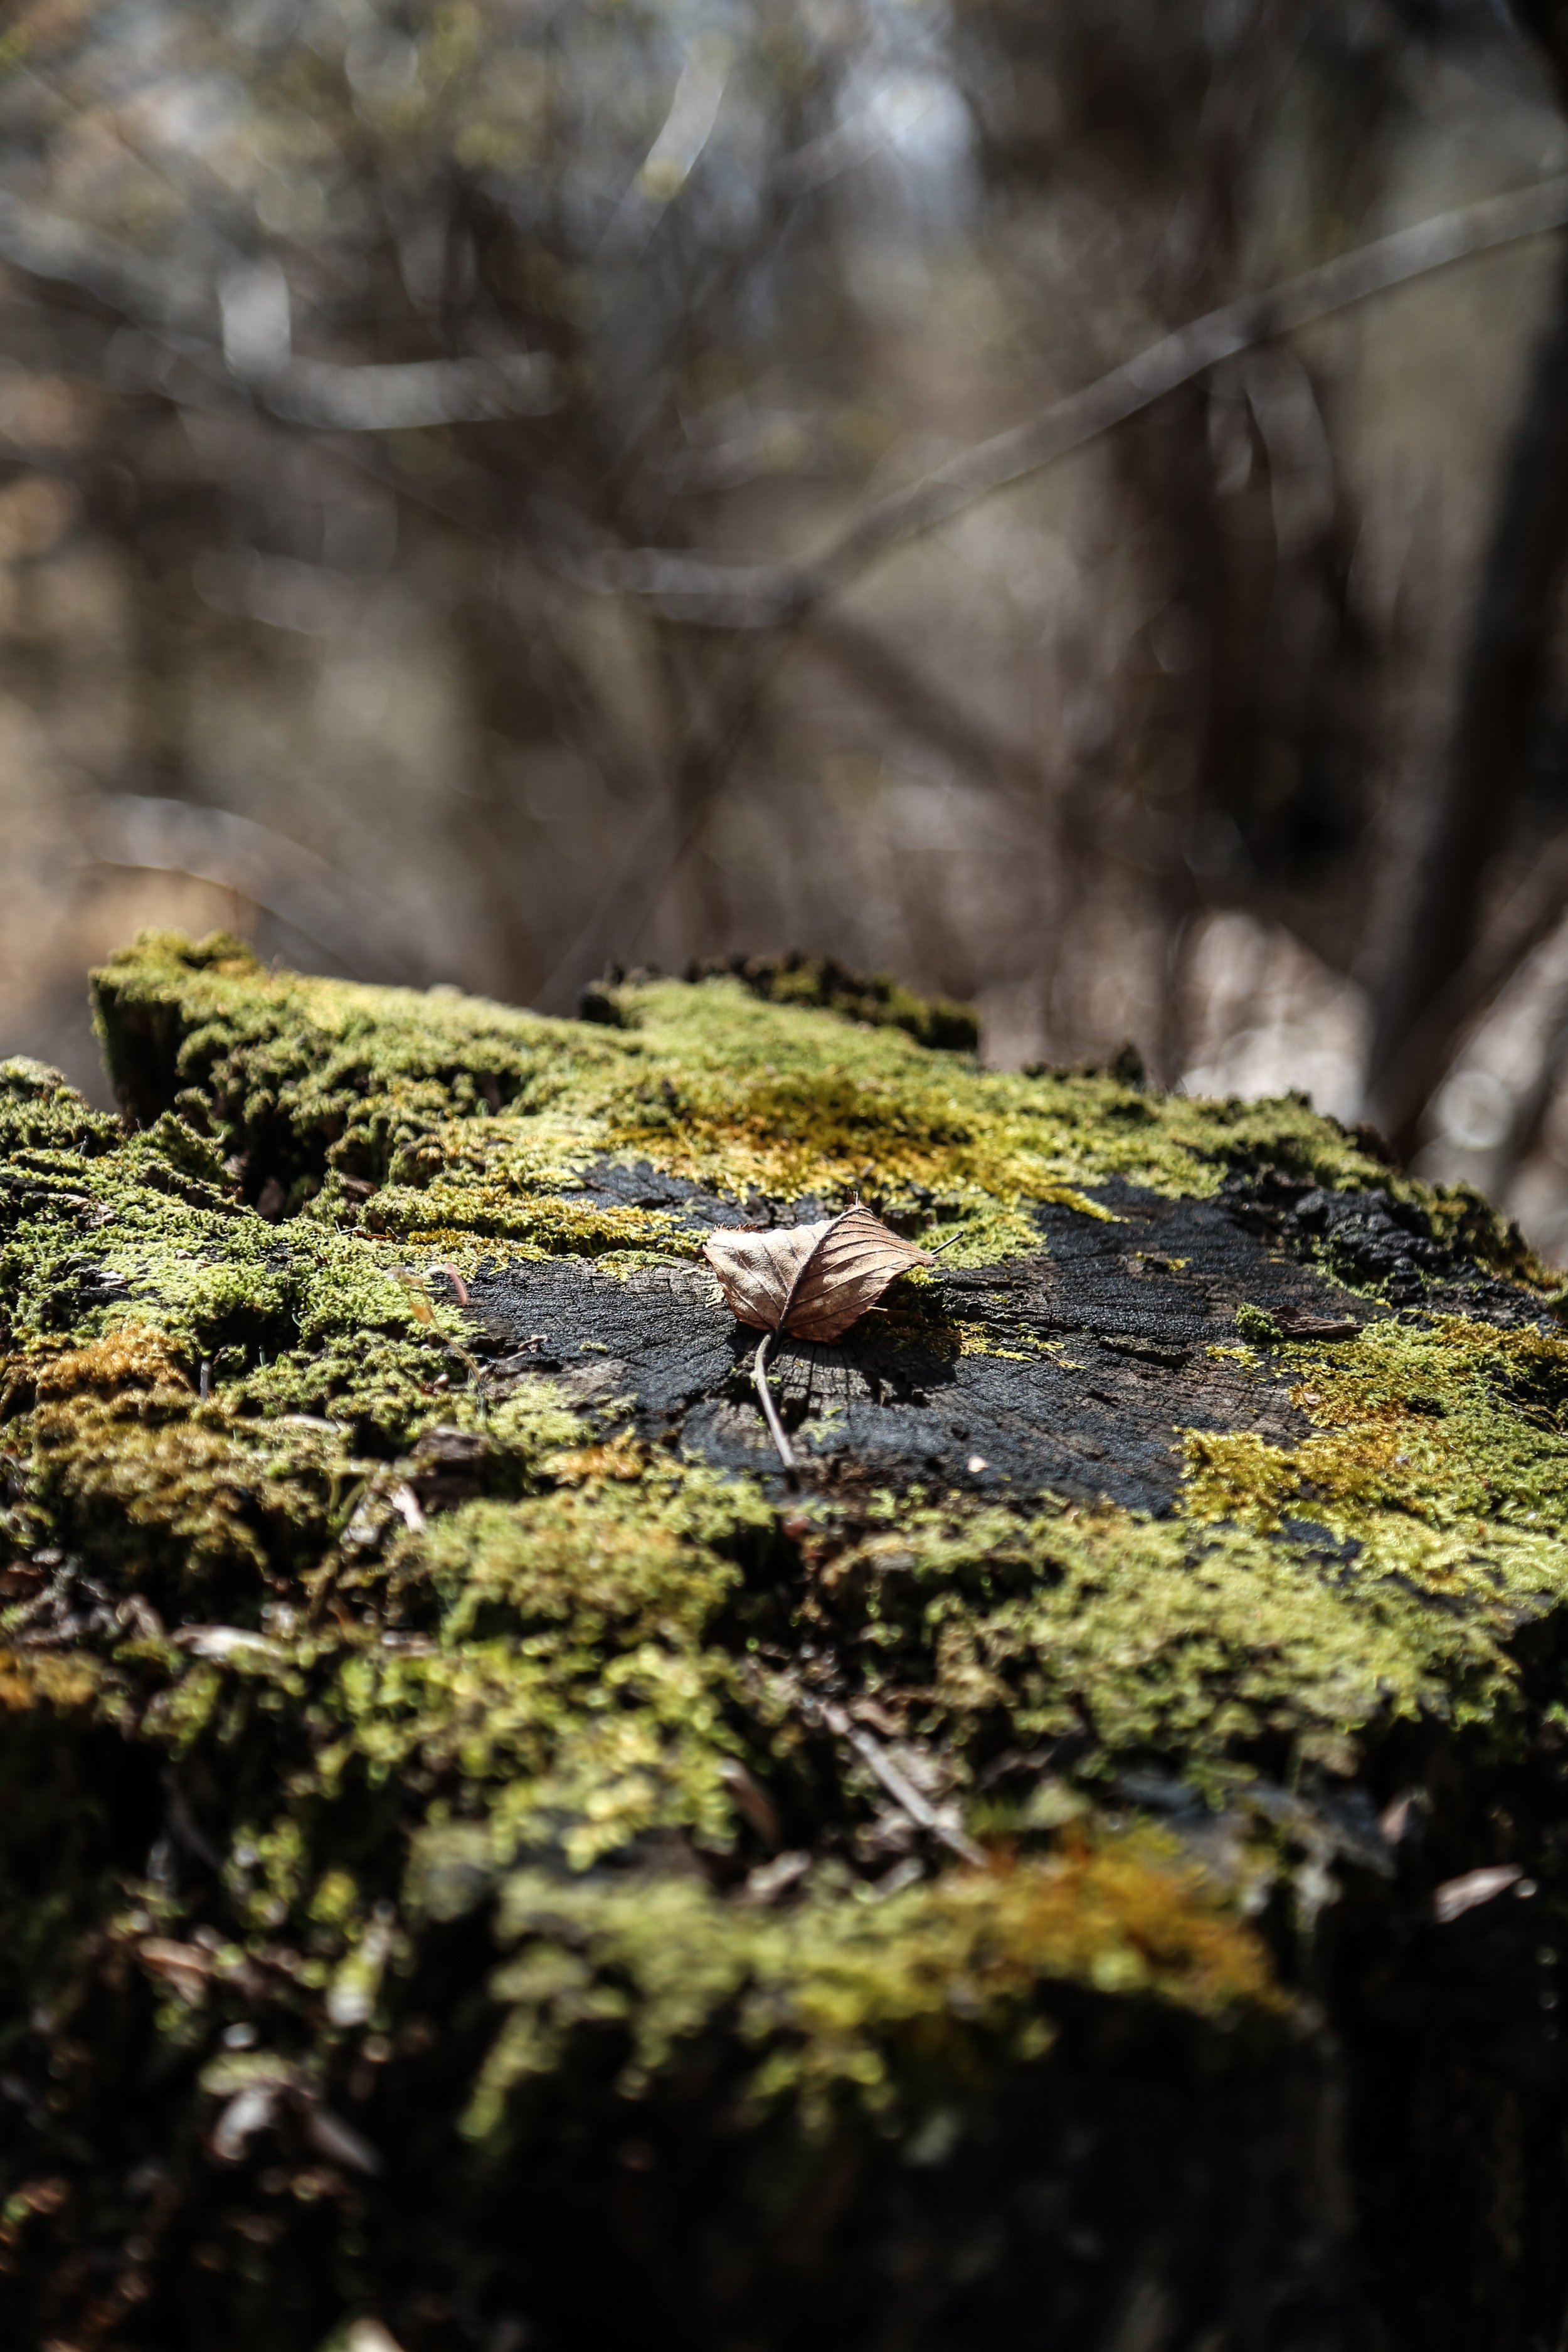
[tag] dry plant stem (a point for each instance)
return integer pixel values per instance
(770, 1410)
(898, 1785)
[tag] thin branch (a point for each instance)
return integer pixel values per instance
(713, 594)
(1178, 358)
(898, 1786)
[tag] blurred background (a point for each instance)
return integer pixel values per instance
(495, 489)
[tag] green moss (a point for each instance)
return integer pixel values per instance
(39, 1112)
(487, 1113)
(823, 985)
(1439, 1454)
(844, 2002)
(458, 1216)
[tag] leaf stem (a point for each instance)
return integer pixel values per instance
(770, 1410)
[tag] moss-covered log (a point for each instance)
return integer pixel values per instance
(481, 1852)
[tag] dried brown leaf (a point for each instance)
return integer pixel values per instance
(811, 1281)
(757, 1271)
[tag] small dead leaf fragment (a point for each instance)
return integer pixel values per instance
(1296, 1324)
(419, 1305)
(811, 1281)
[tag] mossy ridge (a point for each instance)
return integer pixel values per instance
(304, 1079)
(825, 985)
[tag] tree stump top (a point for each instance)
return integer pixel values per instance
(514, 1861)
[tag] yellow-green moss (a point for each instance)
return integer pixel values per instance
(838, 1997)
(497, 1109)
(1441, 1450)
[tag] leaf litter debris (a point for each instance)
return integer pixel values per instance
(808, 1282)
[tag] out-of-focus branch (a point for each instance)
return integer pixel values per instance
(758, 595)
(703, 591)
(1453, 1014)
(765, 602)
(322, 395)
(908, 694)
(777, 599)
(395, 397)
(1505, 667)
(318, 900)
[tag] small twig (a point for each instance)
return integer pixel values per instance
(770, 1410)
(898, 1785)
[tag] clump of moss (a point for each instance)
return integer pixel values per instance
(879, 1001)
(122, 1463)
(541, 1225)
(847, 2003)
(39, 1112)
